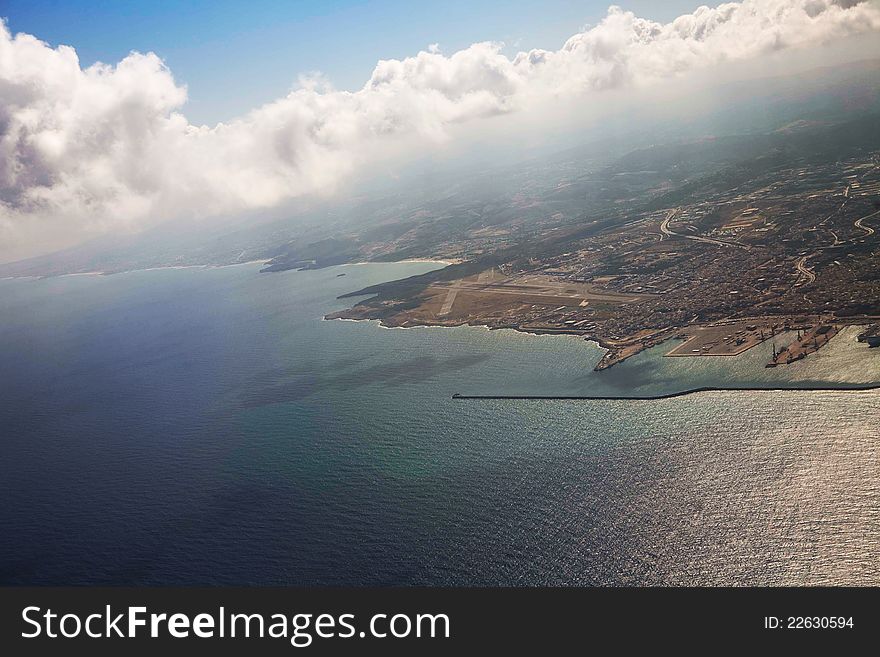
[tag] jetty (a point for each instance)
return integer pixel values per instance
(672, 395)
(810, 341)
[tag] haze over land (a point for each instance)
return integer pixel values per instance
(107, 150)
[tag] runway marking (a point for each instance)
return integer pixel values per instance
(450, 299)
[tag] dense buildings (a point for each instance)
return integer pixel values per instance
(784, 238)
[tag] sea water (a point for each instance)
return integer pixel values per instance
(207, 426)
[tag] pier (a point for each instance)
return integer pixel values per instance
(672, 395)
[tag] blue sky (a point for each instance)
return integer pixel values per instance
(235, 55)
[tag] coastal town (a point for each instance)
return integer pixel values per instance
(785, 255)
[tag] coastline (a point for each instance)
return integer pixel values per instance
(847, 382)
(535, 333)
(130, 271)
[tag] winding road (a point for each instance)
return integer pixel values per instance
(868, 230)
(803, 269)
(668, 232)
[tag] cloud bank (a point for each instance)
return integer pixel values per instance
(85, 151)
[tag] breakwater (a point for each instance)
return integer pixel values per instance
(672, 395)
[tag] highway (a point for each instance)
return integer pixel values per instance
(802, 268)
(868, 230)
(664, 226)
(858, 224)
(668, 232)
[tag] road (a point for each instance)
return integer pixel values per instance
(802, 268)
(858, 224)
(868, 230)
(664, 226)
(668, 232)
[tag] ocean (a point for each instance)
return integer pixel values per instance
(207, 426)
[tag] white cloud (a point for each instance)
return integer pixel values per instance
(83, 151)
